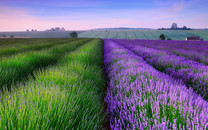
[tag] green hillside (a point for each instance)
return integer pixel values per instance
(145, 34)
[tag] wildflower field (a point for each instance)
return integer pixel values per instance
(84, 83)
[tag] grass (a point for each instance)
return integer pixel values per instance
(8, 42)
(67, 96)
(29, 45)
(19, 67)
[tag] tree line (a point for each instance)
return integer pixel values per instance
(175, 27)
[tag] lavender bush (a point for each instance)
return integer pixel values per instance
(193, 50)
(139, 97)
(193, 74)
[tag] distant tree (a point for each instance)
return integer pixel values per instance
(53, 29)
(73, 34)
(162, 37)
(11, 36)
(27, 30)
(174, 26)
(184, 27)
(62, 29)
(32, 30)
(57, 28)
(35, 30)
(169, 39)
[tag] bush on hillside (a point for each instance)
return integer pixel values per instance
(73, 34)
(162, 37)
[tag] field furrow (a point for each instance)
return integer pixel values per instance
(140, 97)
(66, 96)
(193, 50)
(19, 48)
(19, 67)
(192, 73)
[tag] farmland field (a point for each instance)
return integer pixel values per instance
(154, 89)
(86, 83)
(39, 34)
(145, 34)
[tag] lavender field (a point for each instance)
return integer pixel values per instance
(155, 84)
(108, 84)
(104, 65)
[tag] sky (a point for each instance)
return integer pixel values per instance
(19, 15)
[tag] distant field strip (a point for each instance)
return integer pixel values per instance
(146, 34)
(130, 35)
(8, 42)
(67, 96)
(20, 66)
(17, 48)
(202, 33)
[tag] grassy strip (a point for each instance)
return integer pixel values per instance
(9, 42)
(17, 48)
(18, 67)
(68, 96)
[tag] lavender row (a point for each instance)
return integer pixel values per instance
(192, 73)
(139, 97)
(193, 50)
(199, 46)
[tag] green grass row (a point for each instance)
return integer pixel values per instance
(30, 46)
(19, 67)
(9, 42)
(16, 42)
(67, 96)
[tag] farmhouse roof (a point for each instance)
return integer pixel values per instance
(193, 38)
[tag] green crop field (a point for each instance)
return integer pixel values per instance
(145, 34)
(90, 83)
(60, 86)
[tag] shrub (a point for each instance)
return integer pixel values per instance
(162, 37)
(73, 34)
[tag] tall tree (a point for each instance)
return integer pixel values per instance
(184, 27)
(73, 34)
(174, 26)
(162, 37)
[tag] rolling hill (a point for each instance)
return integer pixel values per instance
(145, 34)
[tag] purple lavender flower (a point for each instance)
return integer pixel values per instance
(140, 97)
(194, 74)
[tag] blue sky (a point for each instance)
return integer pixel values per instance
(20, 15)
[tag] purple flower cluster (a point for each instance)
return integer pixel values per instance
(199, 46)
(140, 97)
(193, 74)
(193, 50)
